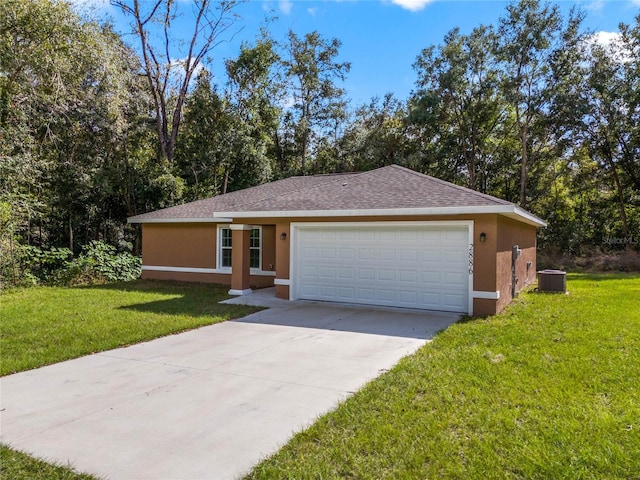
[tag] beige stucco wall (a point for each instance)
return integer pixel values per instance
(194, 245)
(179, 244)
(511, 232)
(484, 276)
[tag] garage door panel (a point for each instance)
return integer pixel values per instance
(366, 274)
(366, 254)
(347, 293)
(348, 253)
(367, 294)
(409, 266)
(347, 236)
(455, 301)
(386, 275)
(408, 276)
(431, 255)
(386, 295)
(309, 271)
(328, 253)
(330, 235)
(430, 236)
(309, 291)
(311, 252)
(457, 237)
(408, 255)
(430, 276)
(455, 279)
(346, 273)
(408, 297)
(432, 299)
(328, 272)
(455, 256)
(386, 254)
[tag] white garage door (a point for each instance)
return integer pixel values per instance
(416, 266)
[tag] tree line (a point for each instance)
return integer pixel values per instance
(533, 109)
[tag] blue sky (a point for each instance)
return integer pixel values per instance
(381, 38)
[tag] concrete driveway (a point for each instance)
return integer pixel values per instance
(209, 403)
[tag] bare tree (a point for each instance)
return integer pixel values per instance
(168, 66)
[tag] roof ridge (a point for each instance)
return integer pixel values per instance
(453, 185)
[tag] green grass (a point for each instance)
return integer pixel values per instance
(549, 389)
(16, 465)
(46, 325)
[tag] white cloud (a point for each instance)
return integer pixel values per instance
(596, 5)
(605, 38)
(611, 42)
(312, 11)
(92, 8)
(285, 6)
(287, 102)
(91, 3)
(413, 5)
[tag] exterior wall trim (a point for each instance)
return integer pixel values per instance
(282, 281)
(240, 226)
(182, 220)
(510, 210)
(246, 291)
(486, 295)
(295, 226)
(225, 271)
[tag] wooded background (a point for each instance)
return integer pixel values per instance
(92, 130)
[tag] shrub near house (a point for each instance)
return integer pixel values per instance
(97, 263)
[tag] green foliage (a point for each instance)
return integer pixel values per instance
(536, 112)
(531, 110)
(74, 117)
(100, 262)
(97, 263)
(313, 72)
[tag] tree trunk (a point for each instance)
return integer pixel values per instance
(620, 195)
(226, 182)
(524, 136)
(70, 233)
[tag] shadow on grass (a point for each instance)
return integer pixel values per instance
(168, 287)
(185, 298)
(192, 307)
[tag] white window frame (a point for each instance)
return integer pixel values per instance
(220, 248)
(256, 271)
(259, 247)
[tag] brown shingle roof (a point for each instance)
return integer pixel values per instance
(392, 188)
(207, 207)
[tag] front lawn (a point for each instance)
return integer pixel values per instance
(46, 325)
(548, 389)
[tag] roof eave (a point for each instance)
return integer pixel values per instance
(181, 220)
(509, 210)
(526, 217)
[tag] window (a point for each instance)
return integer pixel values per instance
(255, 248)
(225, 247)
